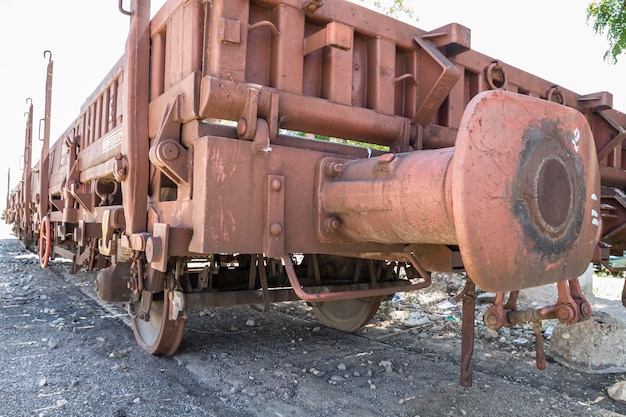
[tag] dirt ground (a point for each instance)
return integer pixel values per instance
(64, 354)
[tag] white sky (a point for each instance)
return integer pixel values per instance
(549, 38)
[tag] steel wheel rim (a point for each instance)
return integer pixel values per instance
(44, 242)
(347, 315)
(159, 335)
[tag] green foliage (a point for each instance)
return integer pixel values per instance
(336, 140)
(385, 308)
(394, 8)
(357, 143)
(609, 17)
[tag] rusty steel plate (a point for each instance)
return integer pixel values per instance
(526, 190)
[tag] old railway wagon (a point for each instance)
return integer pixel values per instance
(193, 175)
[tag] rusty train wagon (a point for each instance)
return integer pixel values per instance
(21, 206)
(195, 176)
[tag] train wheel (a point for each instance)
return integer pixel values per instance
(45, 242)
(159, 335)
(347, 315)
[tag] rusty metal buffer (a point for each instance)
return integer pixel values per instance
(187, 181)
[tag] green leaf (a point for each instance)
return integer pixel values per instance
(608, 18)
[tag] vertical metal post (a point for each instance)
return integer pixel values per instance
(540, 354)
(44, 164)
(135, 145)
(28, 171)
(8, 192)
(467, 332)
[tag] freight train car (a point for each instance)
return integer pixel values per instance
(196, 175)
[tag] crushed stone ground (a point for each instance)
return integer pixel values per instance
(64, 354)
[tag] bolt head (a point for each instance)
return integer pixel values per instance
(585, 310)
(334, 169)
(491, 320)
(170, 151)
(332, 223)
(565, 313)
(154, 249)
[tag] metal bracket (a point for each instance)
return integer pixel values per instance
(432, 87)
(120, 167)
(229, 30)
(177, 304)
(157, 247)
(59, 204)
(451, 39)
(73, 173)
(167, 153)
(274, 234)
(335, 35)
(596, 101)
(327, 225)
(260, 130)
(246, 125)
(79, 233)
(272, 117)
(261, 141)
(616, 141)
(110, 221)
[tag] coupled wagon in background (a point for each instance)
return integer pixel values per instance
(194, 175)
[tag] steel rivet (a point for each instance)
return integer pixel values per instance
(276, 229)
(276, 185)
